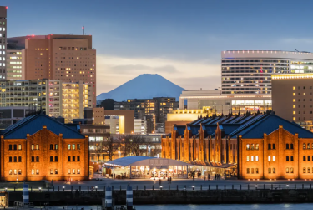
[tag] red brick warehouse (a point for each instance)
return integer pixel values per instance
(41, 148)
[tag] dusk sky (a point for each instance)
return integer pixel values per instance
(178, 39)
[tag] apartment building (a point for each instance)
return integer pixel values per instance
(68, 58)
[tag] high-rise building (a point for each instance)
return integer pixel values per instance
(3, 40)
(69, 58)
(15, 64)
(54, 97)
(249, 71)
(293, 98)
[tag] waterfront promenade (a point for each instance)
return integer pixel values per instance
(177, 184)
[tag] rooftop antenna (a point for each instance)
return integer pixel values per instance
(83, 30)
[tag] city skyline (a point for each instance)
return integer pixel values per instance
(179, 40)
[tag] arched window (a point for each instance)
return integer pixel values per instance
(308, 169)
(252, 146)
(287, 170)
(303, 145)
(291, 170)
(304, 170)
(291, 146)
(308, 146)
(257, 147)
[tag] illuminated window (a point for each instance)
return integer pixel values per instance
(73, 146)
(293, 118)
(294, 112)
(73, 171)
(294, 94)
(33, 172)
(252, 158)
(56, 171)
(69, 171)
(287, 170)
(78, 171)
(269, 158)
(248, 158)
(294, 88)
(69, 147)
(256, 158)
(293, 106)
(273, 158)
(291, 170)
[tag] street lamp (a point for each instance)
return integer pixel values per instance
(39, 188)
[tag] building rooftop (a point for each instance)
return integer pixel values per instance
(248, 126)
(32, 124)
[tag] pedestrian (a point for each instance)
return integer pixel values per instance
(215, 177)
(193, 177)
(159, 182)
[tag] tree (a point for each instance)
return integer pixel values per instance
(131, 144)
(112, 145)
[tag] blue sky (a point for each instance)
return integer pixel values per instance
(178, 39)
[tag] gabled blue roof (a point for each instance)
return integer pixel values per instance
(271, 123)
(32, 124)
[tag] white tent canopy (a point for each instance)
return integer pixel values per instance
(145, 161)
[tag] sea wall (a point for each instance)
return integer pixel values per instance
(168, 197)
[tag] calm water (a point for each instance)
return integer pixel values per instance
(230, 207)
(305, 206)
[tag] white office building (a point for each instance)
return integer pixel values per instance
(249, 71)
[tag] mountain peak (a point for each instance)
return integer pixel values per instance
(145, 86)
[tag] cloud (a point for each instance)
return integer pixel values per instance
(113, 71)
(167, 69)
(297, 41)
(130, 67)
(139, 67)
